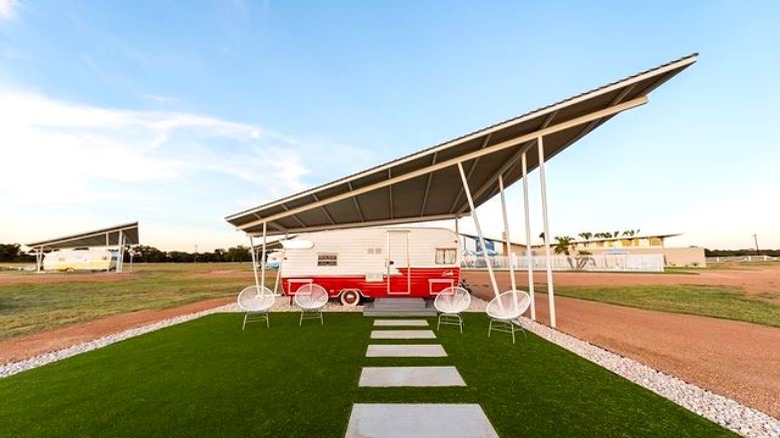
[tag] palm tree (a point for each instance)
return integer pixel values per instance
(541, 236)
(563, 244)
(586, 235)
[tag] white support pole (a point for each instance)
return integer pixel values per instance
(547, 254)
(457, 233)
(508, 239)
(479, 232)
(254, 262)
(262, 267)
(528, 251)
(39, 259)
(279, 269)
(120, 253)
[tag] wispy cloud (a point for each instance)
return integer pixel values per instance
(55, 151)
(160, 98)
(86, 164)
(8, 9)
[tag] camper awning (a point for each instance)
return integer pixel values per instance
(103, 237)
(426, 185)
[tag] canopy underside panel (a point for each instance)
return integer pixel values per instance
(103, 237)
(427, 185)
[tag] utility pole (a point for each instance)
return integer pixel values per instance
(755, 240)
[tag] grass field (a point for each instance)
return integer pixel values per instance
(28, 305)
(714, 301)
(31, 307)
(209, 378)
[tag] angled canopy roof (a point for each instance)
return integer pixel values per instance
(427, 186)
(103, 237)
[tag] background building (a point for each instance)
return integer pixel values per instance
(644, 244)
(637, 245)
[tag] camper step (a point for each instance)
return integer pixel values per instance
(399, 307)
(399, 302)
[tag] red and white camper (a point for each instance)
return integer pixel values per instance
(372, 262)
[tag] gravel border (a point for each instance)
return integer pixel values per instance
(724, 411)
(9, 369)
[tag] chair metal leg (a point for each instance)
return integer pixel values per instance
(300, 321)
(520, 323)
(267, 321)
(243, 326)
(450, 319)
(505, 326)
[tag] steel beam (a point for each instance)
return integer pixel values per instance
(454, 161)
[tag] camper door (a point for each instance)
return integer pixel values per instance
(398, 267)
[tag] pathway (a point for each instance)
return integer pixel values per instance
(424, 420)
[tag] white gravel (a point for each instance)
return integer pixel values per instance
(721, 410)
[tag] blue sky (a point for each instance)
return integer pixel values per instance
(178, 114)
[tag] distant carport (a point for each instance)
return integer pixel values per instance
(450, 180)
(117, 236)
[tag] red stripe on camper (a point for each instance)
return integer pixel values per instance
(425, 282)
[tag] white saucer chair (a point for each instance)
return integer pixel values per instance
(450, 302)
(311, 298)
(505, 311)
(256, 302)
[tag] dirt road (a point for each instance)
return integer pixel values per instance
(24, 347)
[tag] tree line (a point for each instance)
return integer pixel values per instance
(741, 252)
(150, 254)
(12, 253)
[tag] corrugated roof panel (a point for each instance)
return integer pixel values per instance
(595, 106)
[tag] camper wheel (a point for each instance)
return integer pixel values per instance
(350, 297)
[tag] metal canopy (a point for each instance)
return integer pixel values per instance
(426, 185)
(104, 237)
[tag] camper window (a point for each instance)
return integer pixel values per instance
(327, 259)
(446, 256)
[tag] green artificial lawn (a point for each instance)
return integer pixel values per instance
(714, 301)
(208, 378)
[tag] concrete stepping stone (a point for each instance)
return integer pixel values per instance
(400, 323)
(409, 350)
(386, 377)
(419, 420)
(403, 334)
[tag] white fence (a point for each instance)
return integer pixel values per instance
(603, 262)
(739, 259)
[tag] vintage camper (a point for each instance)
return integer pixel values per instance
(372, 262)
(79, 260)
